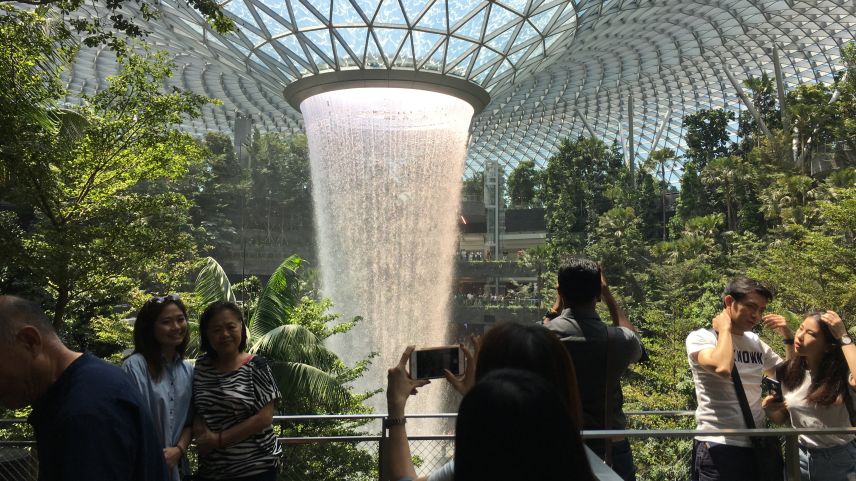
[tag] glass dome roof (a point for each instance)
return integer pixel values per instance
(623, 70)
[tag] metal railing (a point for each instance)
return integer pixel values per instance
(360, 456)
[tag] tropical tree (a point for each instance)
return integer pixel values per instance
(294, 351)
(524, 185)
(96, 207)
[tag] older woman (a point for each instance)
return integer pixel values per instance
(233, 394)
(164, 378)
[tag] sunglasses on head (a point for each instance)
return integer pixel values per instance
(162, 299)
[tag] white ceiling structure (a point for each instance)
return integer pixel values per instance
(618, 69)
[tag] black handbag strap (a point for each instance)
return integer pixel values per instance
(741, 398)
(607, 400)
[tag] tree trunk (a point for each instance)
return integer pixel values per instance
(62, 301)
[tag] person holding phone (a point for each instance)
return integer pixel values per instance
(528, 347)
(818, 389)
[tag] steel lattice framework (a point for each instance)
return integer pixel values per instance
(618, 69)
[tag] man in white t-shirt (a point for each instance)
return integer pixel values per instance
(712, 354)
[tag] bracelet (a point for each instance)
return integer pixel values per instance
(395, 422)
(183, 452)
(789, 341)
(220, 440)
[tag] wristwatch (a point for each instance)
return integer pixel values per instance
(845, 340)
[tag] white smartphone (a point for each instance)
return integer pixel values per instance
(430, 362)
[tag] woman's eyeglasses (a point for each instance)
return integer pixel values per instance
(162, 299)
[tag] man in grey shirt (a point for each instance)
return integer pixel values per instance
(601, 354)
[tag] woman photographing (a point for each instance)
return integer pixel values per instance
(818, 388)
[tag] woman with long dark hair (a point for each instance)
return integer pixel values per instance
(818, 386)
(529, 348)
(163, 376)
(233, 395)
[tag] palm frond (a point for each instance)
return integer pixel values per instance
(212, 284)
(277, 300)
(307, 382)
(293, 343)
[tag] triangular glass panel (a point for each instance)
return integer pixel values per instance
(405, 55)
(503, 67)
(374, 58)
(303, 18)
(457, 48)
(239, 9)
(480, 78)
(355, 38)
(541, 20)
(473, 27)
(274, 26)
(435, 17)
(435, 63)
(460, 9)
(321, 40)
(390, 40)
(368, 7)
(390, 13)
(516, 56)
(344, 14)
(485, 56)
(322, 8)
(288, 63)
(499, 19)
(412, 8)
(527, 32)
(343, 57)
(549, 41)
(423, 42)
(518, 6)
(460, 68)
(500, 42)
(251, 36)
(290, 42)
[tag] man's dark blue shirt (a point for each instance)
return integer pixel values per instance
(91, 426)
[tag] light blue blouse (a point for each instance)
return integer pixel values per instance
(168, 400)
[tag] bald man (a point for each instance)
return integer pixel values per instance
(88, 419)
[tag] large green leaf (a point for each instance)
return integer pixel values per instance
(304, 381)
(277, 300)
(212, 284)
(293, 343)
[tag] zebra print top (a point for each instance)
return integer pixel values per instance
(225, 400)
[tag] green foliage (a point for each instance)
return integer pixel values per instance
(95, 188)
(524, 185)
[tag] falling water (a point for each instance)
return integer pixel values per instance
(386, 177)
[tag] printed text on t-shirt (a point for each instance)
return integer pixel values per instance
(748, 357)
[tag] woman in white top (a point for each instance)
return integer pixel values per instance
(818, 386)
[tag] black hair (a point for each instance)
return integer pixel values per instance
(18, 309)
(830, 383)
(145, 342)
(205, 320)
(579, 281)
(513, 425)
(536, 349)
(740, 287)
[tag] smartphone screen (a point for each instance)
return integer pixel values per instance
(772, 387)
(430, 363)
